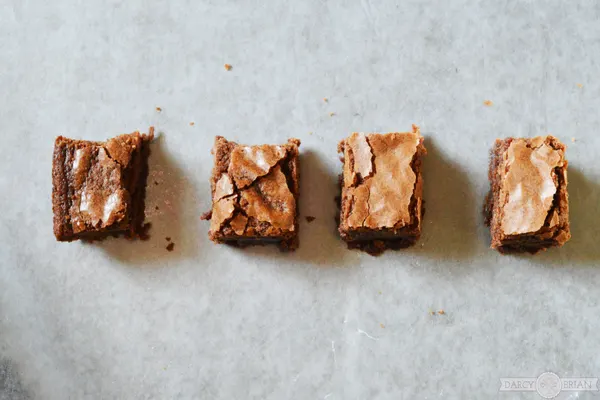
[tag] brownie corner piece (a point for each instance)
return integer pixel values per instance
(527, 208)
(98, 188)
(381, 204)
(255, 191)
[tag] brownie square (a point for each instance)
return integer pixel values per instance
(527, 207)
(255, 194)
(98, 188)
(381, 190)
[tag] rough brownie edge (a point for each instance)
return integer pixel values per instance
(288, 240)
(137, 228)
(546, 236)
(377, 241)
(62, 192)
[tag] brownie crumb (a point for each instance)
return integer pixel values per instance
(228, 67)
(170, 246)
(144, 231)
(488, 103)
(168, 239)
(310, 218)
(441, 312)
(206, 216)
(192, 123)
(155, 182)
(158, 109)
(325, 99)
(331, 114)
(580, 86)
(156, 208)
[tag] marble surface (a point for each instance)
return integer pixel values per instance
(130, 320)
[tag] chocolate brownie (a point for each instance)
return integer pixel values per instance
(382, 187)
(527, 208)
(255, 194)
(98, 188)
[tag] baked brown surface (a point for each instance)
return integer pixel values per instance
(98, 188)
(527, 207)
(255, 191)
(381, 202)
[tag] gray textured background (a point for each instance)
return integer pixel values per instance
(131, 320)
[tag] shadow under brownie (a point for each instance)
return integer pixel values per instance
(381, 204)
(255, 192)
(98, 188)
(527, 207)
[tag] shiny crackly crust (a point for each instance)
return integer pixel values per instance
(547, 236)
(256, 232)
(376, 241)
(130, 152)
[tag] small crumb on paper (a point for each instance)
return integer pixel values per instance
(331, 114)
(310, 133)
(192, 123)
(441, 312)
(310, 218)
(158, 109)
(488, 103)
(580, 85)
(382, 326)
(325, 99)
(145, 229)
(573, 139)
(431, 312)
(228, 67)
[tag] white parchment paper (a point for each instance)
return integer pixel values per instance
(131, 320)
